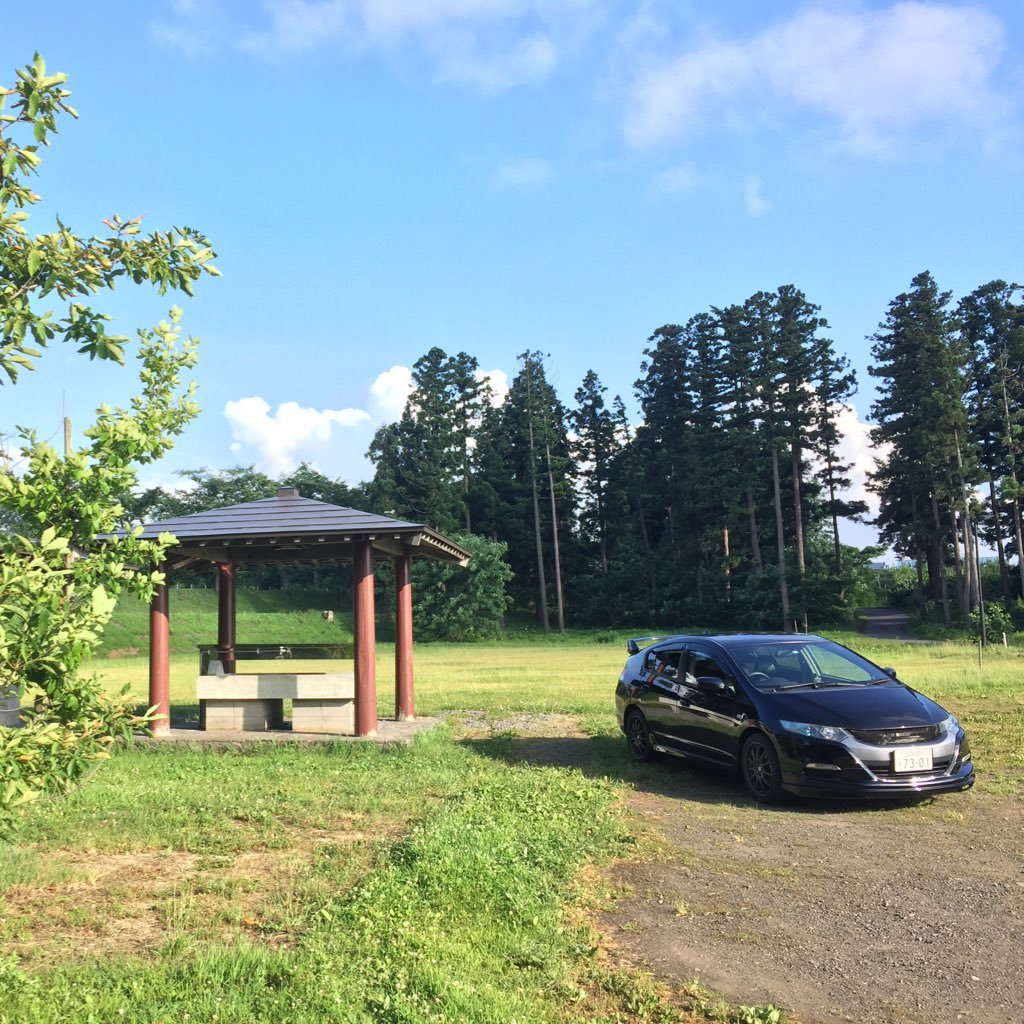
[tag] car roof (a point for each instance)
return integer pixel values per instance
(729, 640)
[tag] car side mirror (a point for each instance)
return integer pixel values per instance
(711, 683)
(890, 672)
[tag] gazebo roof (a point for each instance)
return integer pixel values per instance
(290, 528)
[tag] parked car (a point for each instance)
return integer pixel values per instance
(793, 713)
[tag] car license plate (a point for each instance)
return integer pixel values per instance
(913, 759)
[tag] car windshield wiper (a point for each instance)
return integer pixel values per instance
(818, 684)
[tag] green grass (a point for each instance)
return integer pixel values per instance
(463, 919)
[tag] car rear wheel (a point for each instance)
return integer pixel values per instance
(638, 736)
(761, 770)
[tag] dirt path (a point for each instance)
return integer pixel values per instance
(888, 624)
(877, 914)
(892, 915)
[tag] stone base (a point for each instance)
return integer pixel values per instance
(322, 702)
(241, 715)
(322, 715)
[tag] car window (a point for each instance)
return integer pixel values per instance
(835, 662)
(702, 664)
(768, 665)
(792, 666)
(802, 662)
(668, 664)
(663, 662)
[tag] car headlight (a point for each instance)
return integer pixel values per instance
(950, 725)
(818, 732)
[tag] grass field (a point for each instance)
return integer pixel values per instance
(341, 882)
(576, 676)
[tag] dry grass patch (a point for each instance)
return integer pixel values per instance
(132, 904)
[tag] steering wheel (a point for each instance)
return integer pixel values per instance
(757, 677)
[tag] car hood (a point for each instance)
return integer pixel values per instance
(882, 706)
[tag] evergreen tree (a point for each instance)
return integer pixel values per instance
(759, 335)
(424, 462)
(594, 448)
(992, 324)
(663, 446)
(921, 425)
(743, 487)
(536, 490)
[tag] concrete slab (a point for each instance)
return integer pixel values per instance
(388, 731)
(279, 685)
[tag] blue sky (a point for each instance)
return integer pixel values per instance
(382, 176)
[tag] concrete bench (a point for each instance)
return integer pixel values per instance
(322, 702)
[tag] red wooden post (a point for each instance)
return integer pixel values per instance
(160, 657)
(366, 639)
(226, 616)
(405, 710)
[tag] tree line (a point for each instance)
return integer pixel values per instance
(722, 504)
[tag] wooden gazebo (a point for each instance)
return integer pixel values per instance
(290, 528)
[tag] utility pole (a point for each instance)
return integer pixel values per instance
(554, 542)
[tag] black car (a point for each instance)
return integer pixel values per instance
(794, 713)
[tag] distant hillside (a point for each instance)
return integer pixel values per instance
(262, 616)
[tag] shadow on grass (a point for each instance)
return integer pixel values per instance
(606, 756)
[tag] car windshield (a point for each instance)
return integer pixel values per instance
(790, 664)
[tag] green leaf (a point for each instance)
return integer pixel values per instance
(102, 602)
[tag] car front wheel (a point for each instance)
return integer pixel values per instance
(761, 770)
(638, 736)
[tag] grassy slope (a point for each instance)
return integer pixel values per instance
(261, 615)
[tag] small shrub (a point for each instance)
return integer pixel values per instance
(997, 622)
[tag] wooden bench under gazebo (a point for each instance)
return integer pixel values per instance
(290, 528)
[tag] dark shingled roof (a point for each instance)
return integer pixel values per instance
(291, 528)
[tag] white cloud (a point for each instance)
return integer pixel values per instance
(276, 441)
(485, 44)
(527, 173)
(279, 438)
(755, 202)
(874, 74)
(390, 391)
(678, 180)
(855, 448)
(297, 26)
(498, 380)
(462, 61)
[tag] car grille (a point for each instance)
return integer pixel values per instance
(896, 737)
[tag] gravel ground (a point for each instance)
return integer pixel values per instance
(879, 914)
(838, 913)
